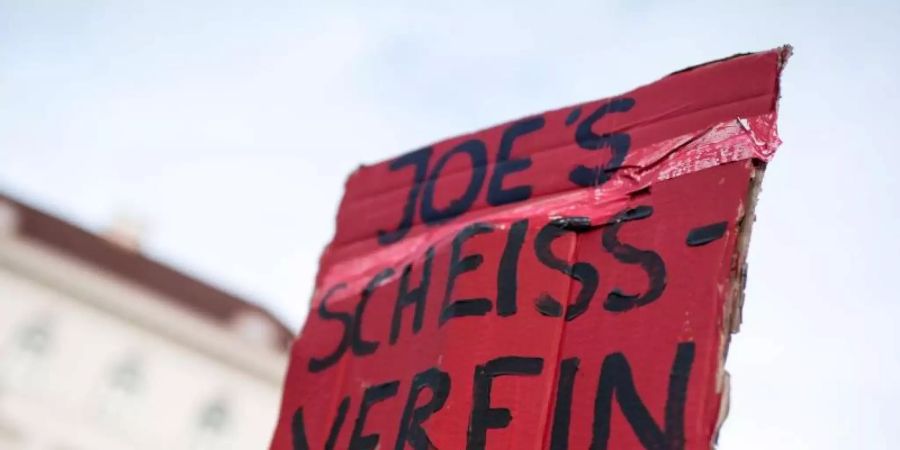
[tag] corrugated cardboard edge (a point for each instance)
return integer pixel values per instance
(734, 301)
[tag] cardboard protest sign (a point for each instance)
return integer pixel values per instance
(569, 280)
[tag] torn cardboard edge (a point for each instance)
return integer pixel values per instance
(733, 309)
(732, 312)
(738, 139)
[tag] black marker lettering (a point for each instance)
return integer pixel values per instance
(616, 378)
(338, 423)
(298, 428)
(562, 413)
(619, 144)
(649, 260)
(470, 306)
(372, 395)
(417, 296)
(504, 166)
(419, 159)
(359, 345)
(706, 234)
(298, 431)
(346, 320)
(484, 417)
(478, 154)
(583, 272)
(411, 431)
(508, 274)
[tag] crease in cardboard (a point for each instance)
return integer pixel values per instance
(550, 404)
(679, 111)
(688, 154)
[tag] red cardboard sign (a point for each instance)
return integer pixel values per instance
(565, 281)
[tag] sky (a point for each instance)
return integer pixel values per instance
(227, 129)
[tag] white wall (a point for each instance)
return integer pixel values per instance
(66, 397)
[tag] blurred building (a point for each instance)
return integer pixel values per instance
(103, 348)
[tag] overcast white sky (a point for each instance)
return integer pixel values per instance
(228, 128)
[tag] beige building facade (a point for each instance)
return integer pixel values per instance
(103, 348)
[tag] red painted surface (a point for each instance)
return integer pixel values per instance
(695, 138)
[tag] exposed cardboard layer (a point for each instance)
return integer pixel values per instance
(567, 280)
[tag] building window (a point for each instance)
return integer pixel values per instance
(25, 355)
(120, 389)
(127, 377)
(213, 426)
